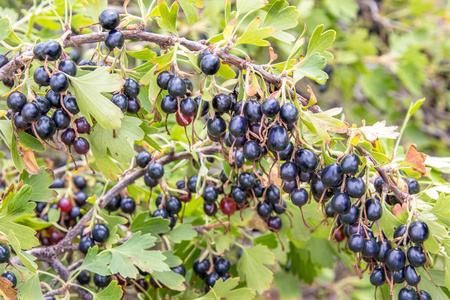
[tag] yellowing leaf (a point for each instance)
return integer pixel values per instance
(29, 160)
(254, 35)
(378, 130)
(414, 162)
(88, 90)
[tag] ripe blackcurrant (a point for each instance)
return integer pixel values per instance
(79, 182)
(373, 208)
(378, 278)
(274, 223)
(351, 217)
(273, 194)
(45, 127)
(84, 277)
(239, 195)
(306, 160)
(82, 125)
(85, 243)
(169, 104)
(395, 259)
(155, 170)
(59, 82)
(400, 232)
(355, 187)
(356, 242)
(251, 150)
(80, 198)
(221, 103)
(217, 126)
(299, 197)
(370, 248)
(100, 233)
(143, 159)
(407, 293)
(201, 267)
(289, 113)
(71, 105)
(413, 186)
(319, 190)
(54, 98)
(61, 119)
(411, 276)
(286, 153)
(176, 87)
(379, 183)
(121, 101)
(341, 203)
(128, 205)
(270, 107)
(188, 107)
(131, 88)
(68, 66)
(383, 248)
(288, 171)
(81, 146)
(210, 64)
(52, 50)
(11, 277)
(5, 253)
(210, 194)
(418, 232)
(109, 19)
(222, 266)
(114, 204)
(30, 112)
(163, 79)
(204, 105)
(277, 139)
(43, 104)
(332, 175)
(133, 106)
(210, 209)
(416, 256)
(114, 39)
(38, 51)
(16, 101)
(173, 205)
(238, 126)
(102, 281)
(350, 164)
(41, 76)
(264, 209)
(253, 112)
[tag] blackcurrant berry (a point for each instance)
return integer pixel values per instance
(54, 98)
(331, 214)
(68, 66)
(238, 159)
(68, 136)
(395, 259)
(274, 223)
(43, 104)
(52, 50)
(246, 181)
(160, 213)
(210, 194)
(253, 112)
(169, 104)
(5, 253)
(133, 106)
(202, 55)
(121, 101)
(288, 171)
(45, 127)
(418, 232)
(188, 107)
(80, 182)
(38, 51)
(41, 76)
(192, 183)
(100, 233)
(80, 198)
(370, 248)
(64, 204)
(204, 106)
(101, 281)
(114, 39)
(319, 190)
(277, 139)
(411, 276)
(373, 208)
(383, 249)
(239, 195)
(114, 204)
(61, 119)
(11, 277)
(264, 209)
(71, 105)
(163, 79)
(378, 278)
(81, 146)
(227, 206)
(413, 186)
(128, 205)
(84, 277)
(416, 256)
(155, 170)
(400, 233)
(82, 125)
(306, 160)
(30, 112)
(356, 243)
(299, 197)
(176, 87)
(238, 126)
(289, 113)
(379, 183)
(131, 88)
(109, 19)
(332, 175)
(217, 126)
(16, 101)
(351, 217)
(201, 267)
(397, 276)
(355, 187)
(3, 60)
(304, 177)
(173, 205)
(143, 159)
(210, 209)
(341, 203)
(222, 266)
(425, 295)
(285, 154)
(210, 64)
(350, 164)
(221, 103)
(407, 293)
(251, 150)
(270, 107)
(85, 243)
(273, 194)
(59, 82)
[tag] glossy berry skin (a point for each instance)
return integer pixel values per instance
(52, 50)
(169, 104)
(382, 250)
(277, 139)
(81, 146)
(202, 55)
(378, 277)
(341, 203)
(318, 189)
(45, 127)
(188, 107)
(270, 107)
(400, 232)
(43, 104)
(82, 125)
(425, 295)
(222, 266)
(121, 101)
(102, 281)
(379, 183)
(251, 150)
(59, 82)
(289, 113)
(395, 259)
(221, 103)
(192, 183)
(239, 195)
(68, 66)
(397, 276)
(351, 217)
(279, 208)
(407, 293)
(370, 248)
(306, 160)
(211, 278)
(356, 243)
(210, 64)
(181, 269)
(204, 106)
(3, 60)
(65, 205)
(176, 87)
(246, 181)
(85, 243)
(84, 277)
(238, 126)
(114, 39)
(299, 197)
(331, 214)
(114, 204)
(411, 276)
(227, 206)
(210, 209)
(133, 106)
(75, 213)
(80, 198)
(163, 79)
(58, 183)
(30, 112)
(38, 50)
(11, 277)
(210, 194)
(288, 171)
(68, 136)
(41, 76)
(131, 88)
(201, 267)
(350, 164)
(61, 119)
(128, 205)
(100, 233)
(160, 213)
(253, 112)
(273, 194)
(150, 182)
(285, 154)
(413, 186)
(418, 232)
(173, 205)
(264, 209)
(416, 256)
(373, 208)
(274, 223)
(70, 104)
(5, 253)
(217, 126)
(54, 98)
(355, 187)
(155, 170)
(109, 19)
(143, 159)
(332, 175)
(238, 159)
(16, 101)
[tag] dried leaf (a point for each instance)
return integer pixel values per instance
(379, 130)
(414, 162)
(29, 160)
(7, 290)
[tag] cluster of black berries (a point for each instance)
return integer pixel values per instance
(221, 267)
(109, 20)
(5, 254)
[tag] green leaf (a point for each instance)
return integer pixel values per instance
(389, 222)
(188, 7)
(440, 209)
(144, 54)
(171, 259)
(144, 224)
(252, 267)
(447, 271)
(31, 289)
(96, 263)
(345, 10)
(94, 8)
(320, 41)
(254, 35)
(226, 72)
(183, 232)
(311, 67)
(40, 184)
(268, 240)
(17, 203)
(26, 259)
(111, 292)
(168, 18)
(172, 280)
(133, 253)
(120, 147)
(88, 90)
(30, 142)
(244, 6)
(5, 28)
(281, 16)
(226, 290)
(322, 123)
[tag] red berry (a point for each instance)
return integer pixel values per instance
(227, 206)
(339, 235)
(65, 204)
(55, 237)
(185, 197)
(183, 120)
